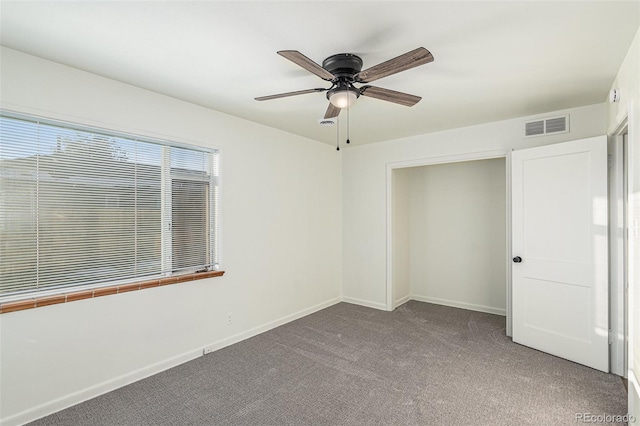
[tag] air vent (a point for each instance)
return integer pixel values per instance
(534, 128)
(546, 126)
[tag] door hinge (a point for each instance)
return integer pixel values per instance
(610, 337)
(610, 161)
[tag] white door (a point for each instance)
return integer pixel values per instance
(559, 232)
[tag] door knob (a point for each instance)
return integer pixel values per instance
(517, 259)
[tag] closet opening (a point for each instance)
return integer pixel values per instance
(448, 233)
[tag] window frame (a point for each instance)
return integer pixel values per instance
(167, 274)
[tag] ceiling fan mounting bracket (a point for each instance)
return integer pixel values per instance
(343, 65)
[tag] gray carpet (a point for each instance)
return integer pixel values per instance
(422, 364)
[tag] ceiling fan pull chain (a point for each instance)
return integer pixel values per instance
(337, 133)
(348, 121)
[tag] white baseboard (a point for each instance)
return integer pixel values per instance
(367, 303)
(401, 301)
(74, 398)
(270, 325)
(462, 305)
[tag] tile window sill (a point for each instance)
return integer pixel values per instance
(72, 296)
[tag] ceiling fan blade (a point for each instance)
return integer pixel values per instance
(284, 95)
(390, 95)
(332, 111)
(306, 63)
(419, 56)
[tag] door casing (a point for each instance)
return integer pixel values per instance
(618, 277)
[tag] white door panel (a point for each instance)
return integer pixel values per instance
(560, 289)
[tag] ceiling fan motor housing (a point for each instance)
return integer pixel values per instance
(343, 65)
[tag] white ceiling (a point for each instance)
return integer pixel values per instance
(493, 60)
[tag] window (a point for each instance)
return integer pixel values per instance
(83, 207)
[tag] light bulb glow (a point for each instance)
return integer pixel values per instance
(343, 98)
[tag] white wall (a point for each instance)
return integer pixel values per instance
(401, 235)
(280, 247)
(458, 234)
(364, 187)
(628, 81)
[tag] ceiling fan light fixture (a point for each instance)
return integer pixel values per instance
(343, 98)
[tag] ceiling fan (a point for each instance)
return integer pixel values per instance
(344, 70)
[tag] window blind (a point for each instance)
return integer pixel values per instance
(190, 191)
(80, 207)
